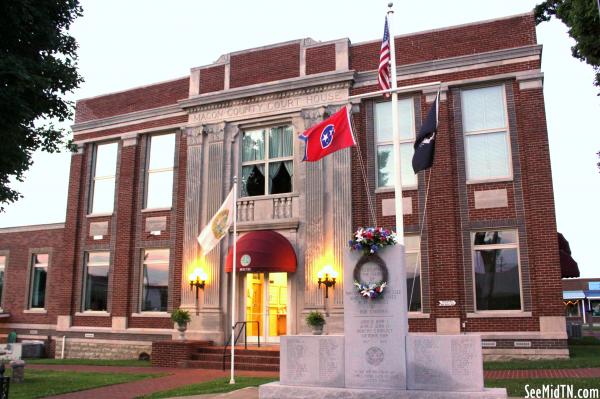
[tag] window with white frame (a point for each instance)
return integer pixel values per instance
(2, 269)
(103, 188)
(38, 277)
(159, 192)
(485, 125)
(595, 308)
(412, 246)
(496, 270)
(385, 148)
(97, 266)
(267, 161)
(155, 280)
(572, 308)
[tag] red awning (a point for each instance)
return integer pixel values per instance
(263, 251)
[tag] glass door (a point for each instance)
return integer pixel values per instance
(266, 306)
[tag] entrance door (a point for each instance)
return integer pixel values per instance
(266, 303)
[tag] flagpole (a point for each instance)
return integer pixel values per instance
(233, 302)
(396, 134)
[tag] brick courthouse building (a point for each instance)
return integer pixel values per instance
(154, 163)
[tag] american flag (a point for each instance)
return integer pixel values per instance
(384, 60)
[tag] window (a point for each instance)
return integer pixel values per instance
(595, 308)
(496, 266)
(160, 171)
(485, 127)
(103, 197)
(2, 268)
(412, 258)
(96, 281)
(572, 308)
(267, 161)
(39, 273)
(155, 281)
(385, 150)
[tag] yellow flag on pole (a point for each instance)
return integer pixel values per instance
(218, 226)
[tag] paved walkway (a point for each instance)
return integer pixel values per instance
(558, 373)
(178, 377)
(129, 390)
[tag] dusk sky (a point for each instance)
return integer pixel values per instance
(135, 43)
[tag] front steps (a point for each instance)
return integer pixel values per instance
(254, 358)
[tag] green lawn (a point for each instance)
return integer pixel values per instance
(42, 383)
(91, 362)
(516, 388)
(582, 356)
(219, 385)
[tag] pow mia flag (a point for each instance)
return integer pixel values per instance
(425, 142)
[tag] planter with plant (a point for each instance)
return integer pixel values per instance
(181, 317)
(316, 320)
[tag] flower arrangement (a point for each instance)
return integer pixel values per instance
(370, 290)
(369, 240)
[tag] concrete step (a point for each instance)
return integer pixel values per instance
(250, 352)
(218, 365)
(242, 358)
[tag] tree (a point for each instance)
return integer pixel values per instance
(38, 66)
(583, 20)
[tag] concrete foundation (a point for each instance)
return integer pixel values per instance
(275, 390)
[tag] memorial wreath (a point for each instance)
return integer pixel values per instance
(369, 240)
(369, 289)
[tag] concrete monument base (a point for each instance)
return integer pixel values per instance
(275, 390)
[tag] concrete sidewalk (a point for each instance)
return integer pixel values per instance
(179, 377)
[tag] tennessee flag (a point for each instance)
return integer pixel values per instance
(329, 136)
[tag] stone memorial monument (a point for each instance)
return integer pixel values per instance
(376, 358)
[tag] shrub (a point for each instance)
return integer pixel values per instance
(180, 316)
(315, 318)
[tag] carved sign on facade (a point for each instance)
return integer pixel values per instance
(267, 105)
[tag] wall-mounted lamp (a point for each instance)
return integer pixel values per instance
(198, 279)
(327, 278)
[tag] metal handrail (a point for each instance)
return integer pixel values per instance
(245, 329)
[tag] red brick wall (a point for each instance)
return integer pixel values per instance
(174, 120)
(179, 220)
(265, 65)
(171, 353)
(539, 202)
(74, 215)
(126, 199)
(389, 222)
(92, 321)
(153, 96)
(320, 59)
(445, 255)
(450, 42)
(150, 322)
(492, 213)
(18, 266)
(360, 204)
(212, 79)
